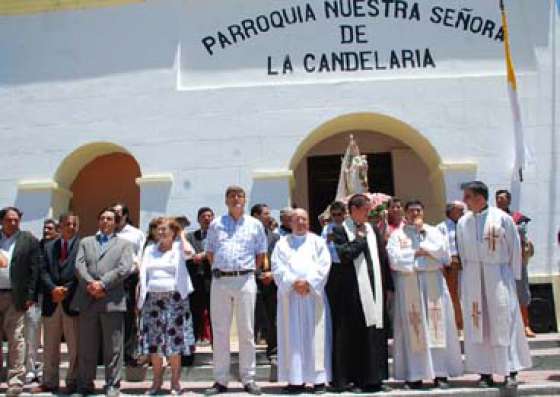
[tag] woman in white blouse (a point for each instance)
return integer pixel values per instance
(165, 322)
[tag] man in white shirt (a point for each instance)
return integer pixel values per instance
(126, 231)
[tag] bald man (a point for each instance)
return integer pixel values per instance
(300, 265)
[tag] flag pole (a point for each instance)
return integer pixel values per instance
(520, 150)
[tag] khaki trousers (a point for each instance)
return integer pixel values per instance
(11, 321)
(32, 336)
(229, 295)
(54, 327)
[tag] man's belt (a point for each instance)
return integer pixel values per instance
(217, 273)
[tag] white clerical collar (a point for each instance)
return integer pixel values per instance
(483, 212)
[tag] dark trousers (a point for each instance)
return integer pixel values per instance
(130, 320)
(107, 328)
(270, 301)
(200, 305)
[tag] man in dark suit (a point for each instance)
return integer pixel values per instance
(201, 276)
(33, 320)
(267, 290)
(19, 270)
(103, 262)
(59, 282)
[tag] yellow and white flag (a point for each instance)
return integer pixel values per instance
(521, 152)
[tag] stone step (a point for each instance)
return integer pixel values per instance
(541, 341)
(544, 383)
(543, 359)
(545, 353)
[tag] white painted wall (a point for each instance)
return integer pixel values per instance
(113, 74)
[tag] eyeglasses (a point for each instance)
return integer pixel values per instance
(337, 214)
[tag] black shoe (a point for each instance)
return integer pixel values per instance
(442, 383)
(485, 381)
(187, 361)
(112, 391)
(376, 388)
(293, 389)
(355, 389)
(336, 388)
(215, 389)
(413, 385)
(252, 388)
(319, 388)
(510, 382)
(83, 392)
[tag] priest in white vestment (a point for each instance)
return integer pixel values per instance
(300, 264)
(490, 251)
(426, 345)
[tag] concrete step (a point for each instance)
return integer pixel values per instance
(543, 360)
(545, 352)
(540, 342)
(532, 384)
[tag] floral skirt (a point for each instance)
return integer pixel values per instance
(166, 326)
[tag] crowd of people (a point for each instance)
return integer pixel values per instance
(327, 305)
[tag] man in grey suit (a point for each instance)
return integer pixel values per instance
(102, 264)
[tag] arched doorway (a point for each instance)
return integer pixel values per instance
(98, 175)
(402, 163)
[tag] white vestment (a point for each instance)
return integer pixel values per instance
(490, 251)
(304, 351)
(426, 344)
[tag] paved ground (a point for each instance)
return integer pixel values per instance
(532, 383)
(543, 380)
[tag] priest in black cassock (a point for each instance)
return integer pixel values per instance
(360, 319)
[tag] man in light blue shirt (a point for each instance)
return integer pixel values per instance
(236, 247)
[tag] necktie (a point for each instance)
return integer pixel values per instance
(104, 241)
(64, 251)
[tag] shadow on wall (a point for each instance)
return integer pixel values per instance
(274, 192)
(79, 44)
(33, 205)
(89, 43)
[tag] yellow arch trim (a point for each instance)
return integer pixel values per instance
(24, 7)
(73, 163)
(381, 124)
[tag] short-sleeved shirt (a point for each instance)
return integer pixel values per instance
(236, 243)
(328, 229)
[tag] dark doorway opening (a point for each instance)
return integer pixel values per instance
(323, 173)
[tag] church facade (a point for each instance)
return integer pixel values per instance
(162, 104)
